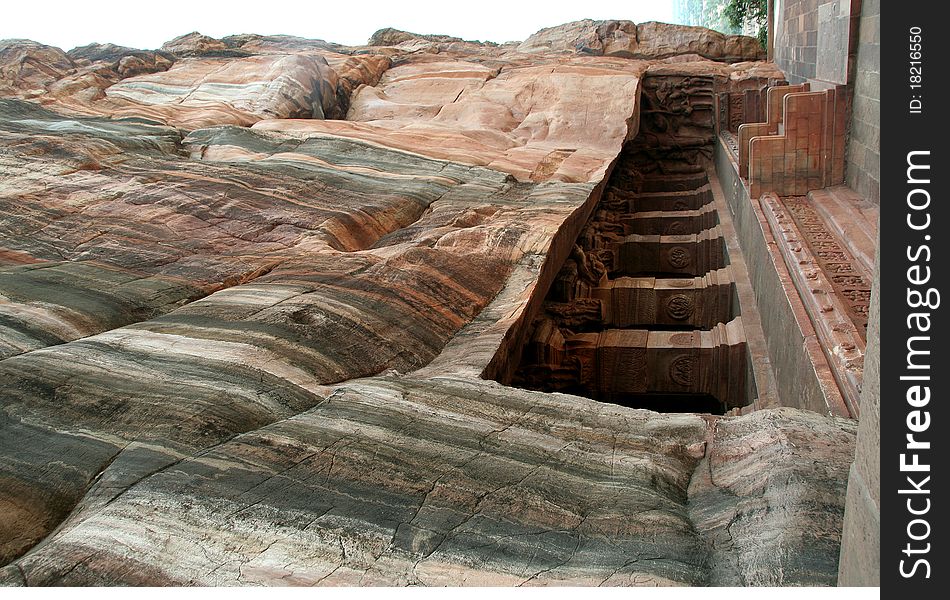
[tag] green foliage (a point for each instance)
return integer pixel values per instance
(752, 12)
(740, 12)
(705, 13)
(727, 16)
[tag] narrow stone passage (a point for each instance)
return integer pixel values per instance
(644, 312)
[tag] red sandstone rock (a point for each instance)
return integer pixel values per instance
(27, 68)
(194, 44)
(647, 41)
(187, 316)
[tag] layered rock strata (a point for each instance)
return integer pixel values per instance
(650, 40)
(395, 481)
(205, 269)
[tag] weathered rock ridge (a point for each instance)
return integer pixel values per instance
(647, 41)
(249, 288)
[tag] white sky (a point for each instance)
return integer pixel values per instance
(149, 23)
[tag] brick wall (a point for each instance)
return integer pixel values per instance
(814, 41)
(796, 39)
(863, 167)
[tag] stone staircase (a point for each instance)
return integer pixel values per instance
(645, 314)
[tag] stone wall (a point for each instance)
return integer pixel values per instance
(796, 39)
(814, 41)
(807, 151)
(836, 42)
(863, 168)
(860, 562)
(794, 352)
(861, 538)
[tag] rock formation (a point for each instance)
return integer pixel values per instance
(647, 40)
(253, 292)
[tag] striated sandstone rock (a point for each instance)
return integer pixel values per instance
(230, 92)
(283, 78)
(332, 296)
(127, 62)
(277, 44)
(199, 224)
(586, 37)
(196, 44)
(661, 40)
(46, 74)
(398, 481)
(28, 68)
(394, 37)
(243, 79)
(535, 122)
(649, 40)
(188, 305)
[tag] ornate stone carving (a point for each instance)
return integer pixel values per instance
(834, 260)
(681, 370)
(649, 252)
(679, 257)
(682, 340)
(722, 103)
(679, 307)
(676, 228)
(736, 111)
(680, 283)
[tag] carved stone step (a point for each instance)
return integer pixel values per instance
(615, 363)
(693, 254)
(700, 302)
(833, 295)
(852, 220)
(670, 222)
(671, 200)
(674, 183)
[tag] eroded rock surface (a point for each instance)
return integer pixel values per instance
(396, 481)
(211, 252)
(647, 40)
